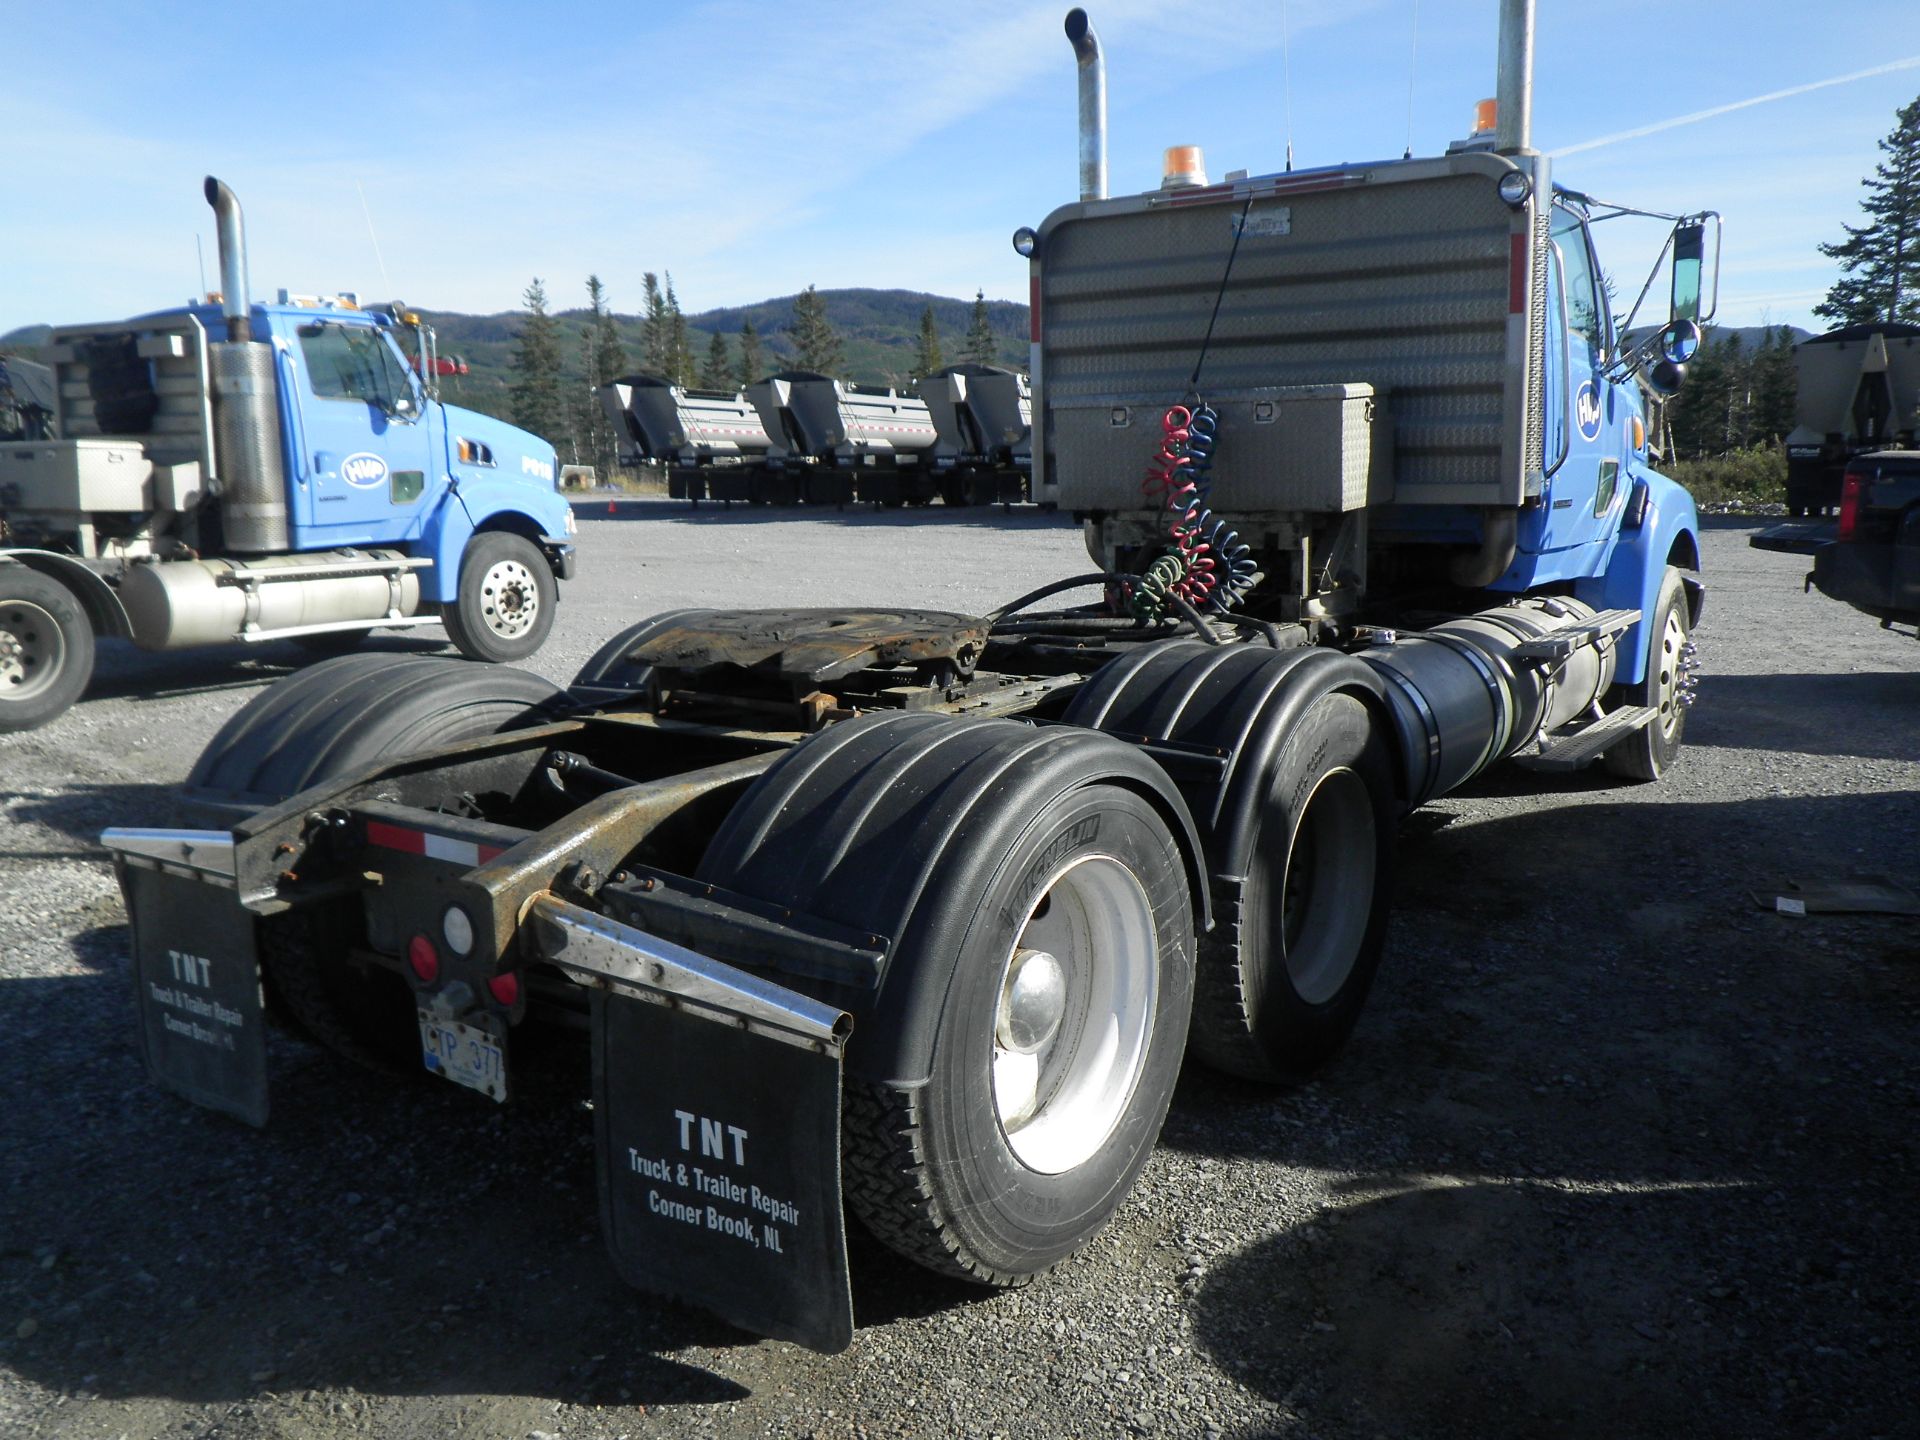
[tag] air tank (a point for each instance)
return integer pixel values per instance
(177, 604)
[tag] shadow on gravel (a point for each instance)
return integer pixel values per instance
(1868, 715)
(1613, 1151)
(397, 1238)
(81, 812)
(124, 671)
(380, 1237)
(711, 513)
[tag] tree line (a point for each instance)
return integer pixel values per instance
(558, 401)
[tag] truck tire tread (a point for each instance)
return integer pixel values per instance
(884, 1171)
(292, 955)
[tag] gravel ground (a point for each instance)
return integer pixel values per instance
(1613, 1152)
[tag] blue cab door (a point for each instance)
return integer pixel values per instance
(366, 450)
(1589, 419)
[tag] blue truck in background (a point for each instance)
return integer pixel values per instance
(248, 472)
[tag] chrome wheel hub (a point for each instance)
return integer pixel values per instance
(30, 649)
(509, 599)
(1074, 1013)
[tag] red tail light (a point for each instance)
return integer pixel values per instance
(424, 959)
(505, 989)
(1853, 489)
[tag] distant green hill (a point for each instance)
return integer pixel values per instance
(879, 331)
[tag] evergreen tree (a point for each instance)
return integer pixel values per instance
(613, 354)
(679, 345)
(927, 358)
(981, 346)
(656, 329)
(535, 394)
(1880, 261)
(750, 362)
(605, 359)
(813, 337)
(1775, 386)
(716, 373)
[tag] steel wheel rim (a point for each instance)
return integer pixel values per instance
(1058, 1104)
(509, 599)
(31, 649)
(1324, 901)
(1666, 690)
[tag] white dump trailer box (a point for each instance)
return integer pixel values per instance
(669, 423)
(983, 415)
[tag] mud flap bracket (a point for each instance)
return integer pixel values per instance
(717, 1125)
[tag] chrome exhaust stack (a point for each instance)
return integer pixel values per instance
(232, 242)
(248, 456)
(1513, 122)
(1093, 105)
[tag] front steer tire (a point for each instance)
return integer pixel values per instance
(504, 607)
(46, 648)
(1654, 749)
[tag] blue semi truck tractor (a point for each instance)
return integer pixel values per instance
(916, 915)
(252, 472)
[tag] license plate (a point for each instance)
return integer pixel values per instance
(465, 1054)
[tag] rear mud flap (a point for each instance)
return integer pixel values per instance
(195, 971)
(717, 1121)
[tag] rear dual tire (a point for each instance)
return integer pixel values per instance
(330, 720)
(1042, 965)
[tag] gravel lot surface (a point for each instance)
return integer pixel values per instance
(1613, 1152)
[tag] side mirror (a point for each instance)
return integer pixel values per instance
(1689, 257)
(1679, 341)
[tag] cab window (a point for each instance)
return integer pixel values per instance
(1586, 312)
(352, 362)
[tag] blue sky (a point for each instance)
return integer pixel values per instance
(753, 148)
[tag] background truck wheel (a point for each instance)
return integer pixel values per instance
(1285, 973)
(328, 720)
(1651, 752)
(46, 648)
(507, 594)
(1046, 956)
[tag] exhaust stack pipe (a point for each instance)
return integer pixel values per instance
(1093, 105)
(1513, 125)
(249, 458)
(235, 301)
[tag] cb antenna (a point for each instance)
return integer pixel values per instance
(1413, 69)
(1286, 78)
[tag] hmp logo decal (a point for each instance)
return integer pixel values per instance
(1586, 410)
(364, 470)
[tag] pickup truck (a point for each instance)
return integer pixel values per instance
(1869, 558)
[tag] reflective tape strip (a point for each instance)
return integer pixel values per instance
(434, 847)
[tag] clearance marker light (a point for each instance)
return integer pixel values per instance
(505, 988)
